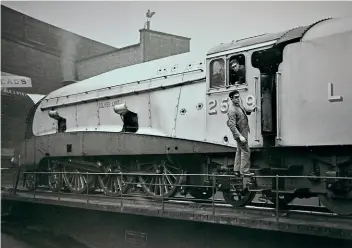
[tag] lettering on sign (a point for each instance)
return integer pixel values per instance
(108, 104)
(331, 96)
(225, 104)
(15, 81)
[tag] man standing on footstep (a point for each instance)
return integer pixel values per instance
(238, 124)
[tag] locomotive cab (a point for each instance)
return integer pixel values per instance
(243, 69)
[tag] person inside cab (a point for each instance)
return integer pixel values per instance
(130, 122)
(237, 73)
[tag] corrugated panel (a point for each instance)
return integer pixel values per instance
(296, 33)
(292, 34)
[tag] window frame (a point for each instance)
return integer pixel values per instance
(230, 56)
(210, 70)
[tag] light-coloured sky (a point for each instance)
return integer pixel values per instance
(207, 23)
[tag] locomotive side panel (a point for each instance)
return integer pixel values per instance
(108, 120)
(316, 93)
(163, 109)
(190, 117)
(160, 112)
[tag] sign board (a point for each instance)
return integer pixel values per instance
(13, 81)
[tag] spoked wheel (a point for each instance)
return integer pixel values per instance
(240, 198)
(53, 178)
(158, 185)
(77, 183)
(201, 193)
(114, 185)
(338, 206)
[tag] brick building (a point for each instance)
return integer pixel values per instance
(50, 55)
(153, 45)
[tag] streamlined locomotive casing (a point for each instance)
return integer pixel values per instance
(167, 102)
(315, 89)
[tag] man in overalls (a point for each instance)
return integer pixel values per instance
(238, 124)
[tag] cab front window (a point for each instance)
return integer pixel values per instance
(217, 73)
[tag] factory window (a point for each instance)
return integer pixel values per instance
(237, 70)
(217, 73)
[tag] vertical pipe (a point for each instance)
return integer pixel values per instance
(162, 190)
(256, 104)
(277, 198)
(18, 175)
(121, 178)
(87, 189)
(35, 183)
(60, 185)
(278, 109)
(213, 198)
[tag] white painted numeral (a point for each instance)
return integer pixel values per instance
(250, 100)
(224, 106)
(212, 106)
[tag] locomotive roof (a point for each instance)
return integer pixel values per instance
(275, 38)
(161, 73)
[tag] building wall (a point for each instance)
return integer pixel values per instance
(43, 52)
(153, 45)
(123, 57)
(158, 45)
(43, 68)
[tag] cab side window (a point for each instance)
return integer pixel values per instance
(217, 73)
(237, 70)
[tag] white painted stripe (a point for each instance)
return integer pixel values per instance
(240, 49)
